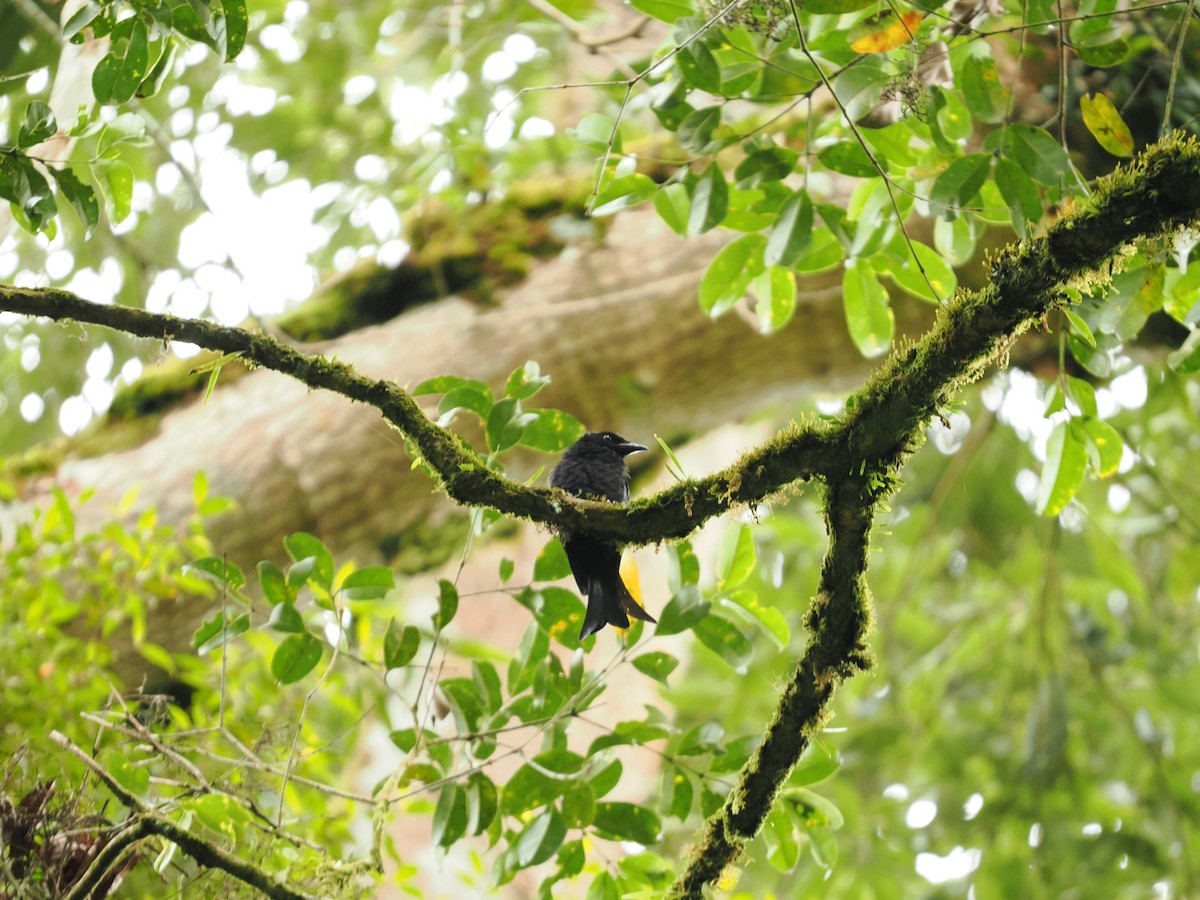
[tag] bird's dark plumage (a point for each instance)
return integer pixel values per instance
(594, 467)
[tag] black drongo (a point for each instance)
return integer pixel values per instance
(594, 467)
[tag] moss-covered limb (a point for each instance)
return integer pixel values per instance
(1147, 200)
(147, 822)
(839, 620)
(795, 455)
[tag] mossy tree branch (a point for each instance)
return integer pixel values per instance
(1148, 199)
(858, 456)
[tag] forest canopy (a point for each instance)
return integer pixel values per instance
(901, 296)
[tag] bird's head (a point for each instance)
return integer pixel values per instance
(608, 441)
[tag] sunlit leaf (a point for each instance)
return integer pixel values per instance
(885, 31)
(868, 309)
(729, 273)
(1106, 124)
(1066, 461)
(295, 657)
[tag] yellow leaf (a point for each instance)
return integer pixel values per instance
(629, 575)
(885, 31)
(1106, 125)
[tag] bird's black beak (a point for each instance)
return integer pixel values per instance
(629, 447)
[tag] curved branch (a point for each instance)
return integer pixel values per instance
(1148, 199)
(839, 620)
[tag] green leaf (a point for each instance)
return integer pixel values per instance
(286, 619)
(696, 130)
(683, 611)
(526, 381)
(216, 631)
(540, 839)
(465, 397)
(1033, 149)
(220, 572)
(399, 647)
(937, 273)
(679, 793)
(765, 165)
(849, 158)
(1081, 327)
(534, 646)
(463, 697)
(621, 193)
(81, 19)
(447, 604)
(117, 76)
(303, 547)
(367, 583)
(769, 618)
(1083, 395)
(273, 583)
(735, 556)
(791, 233)
(603, 887)
(237, 23)
(960, 181)
(127, 128)
(656, 665)
(483, 802)
(868, 310)
(594, 132)
(220, 812)
(22, 183)
(551, 430)
(579, 805)
(815, 765)
(295, 657)
(505, 424)
(700, 67)
(729, 274)
(1020, 193)
(1066, 461)
(534, 786)
(779, 834)
(551, 563)
(82, 198)
(39, 125)
(450, 815)
(824, 252)
(443, 384)
(723, 638)
(1099, 42)
(710, 201)
(672, 204)
(664, 10)
(628, 822)
(135, 779)
(985, 96)
(116, 181)
(700, 739)
(775, 298)
(1106, 125)
(1105, 446)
